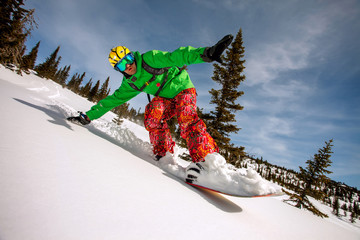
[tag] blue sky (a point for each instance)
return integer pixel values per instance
(302, 64)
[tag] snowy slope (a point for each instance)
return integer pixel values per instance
(63, 181)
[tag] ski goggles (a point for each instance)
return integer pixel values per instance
(121, 65)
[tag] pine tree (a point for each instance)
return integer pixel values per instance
(336, 206)
(122, 111)
(48, 68)
(85, 91)
(16, 24)
(229, 76)
(352, 217)
(132, 114)
(62, 75)
(28, 61)
(345, 209)
(78, 83)
(313, 177)
(356, 209)
(75, 82)
(70, 85)
(104, 89)
(93, 94)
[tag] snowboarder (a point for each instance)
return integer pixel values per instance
(162, 75)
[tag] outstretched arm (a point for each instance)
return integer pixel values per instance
(188, 55)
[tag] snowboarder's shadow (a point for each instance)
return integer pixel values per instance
(56, 115)
(216, 199)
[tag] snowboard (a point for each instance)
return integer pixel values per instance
(233, 194)
(221, 178)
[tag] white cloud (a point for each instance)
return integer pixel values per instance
(293, 89)
(276, 126)
(265, 64)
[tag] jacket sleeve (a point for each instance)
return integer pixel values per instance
(180, 57)
(123, 94)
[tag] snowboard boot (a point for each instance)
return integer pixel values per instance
(158, 157)
(193, 171)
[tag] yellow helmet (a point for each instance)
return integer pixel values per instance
(117, 53)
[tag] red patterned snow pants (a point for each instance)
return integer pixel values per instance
(192, 128)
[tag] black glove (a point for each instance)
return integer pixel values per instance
(214, 53)
(81, 119)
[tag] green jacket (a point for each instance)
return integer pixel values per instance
(157, 59)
